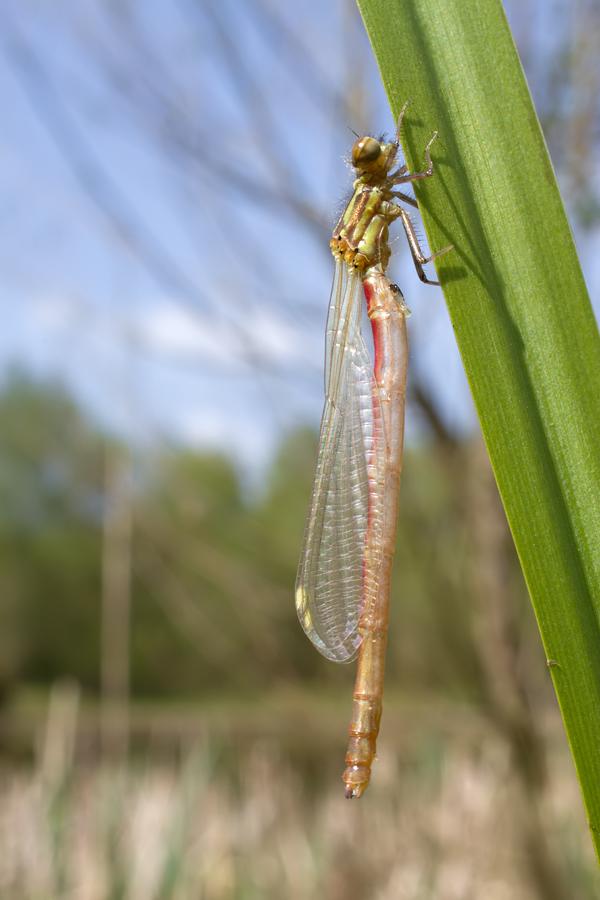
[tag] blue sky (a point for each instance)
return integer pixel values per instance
(177, 304)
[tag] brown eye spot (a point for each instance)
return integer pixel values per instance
(366, 150)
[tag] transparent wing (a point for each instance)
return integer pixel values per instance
(341, 554)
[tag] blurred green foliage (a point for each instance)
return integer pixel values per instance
(213, 573)
(50, 535)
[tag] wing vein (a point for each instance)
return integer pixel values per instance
(335, 590)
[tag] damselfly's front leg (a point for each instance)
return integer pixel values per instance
(399, 125)
(402, 178)
(402, 174)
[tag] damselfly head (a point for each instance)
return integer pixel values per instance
(366, 150)
(372, 155)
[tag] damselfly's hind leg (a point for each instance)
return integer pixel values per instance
(418, 256)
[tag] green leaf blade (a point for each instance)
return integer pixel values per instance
(521, 314)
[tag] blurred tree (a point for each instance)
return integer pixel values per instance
(223, 570)
(50, 513)
(213, 572)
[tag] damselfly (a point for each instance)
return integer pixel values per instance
(343, 583)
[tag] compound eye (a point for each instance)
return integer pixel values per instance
(365, 151)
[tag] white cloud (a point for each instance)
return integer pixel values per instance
(173, 330)
(56, 311)
(263, 338)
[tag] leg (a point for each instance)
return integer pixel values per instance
(417, 175)
(398, 127)
(396, 144)
(417, 254)
(405, 198)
